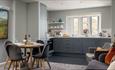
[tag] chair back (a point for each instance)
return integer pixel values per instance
(107, 45)
(40, 41)
(14, 52)
(36, 50)
(7, 42)
(45, 52)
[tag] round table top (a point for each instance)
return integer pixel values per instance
(31, 45)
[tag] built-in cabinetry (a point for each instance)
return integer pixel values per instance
(77, 45)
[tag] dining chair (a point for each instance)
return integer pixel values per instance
(7, 58)
(15, 55)
(42, 57)
(37, 51)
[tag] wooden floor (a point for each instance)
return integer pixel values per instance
(60, 62)
(59, 66)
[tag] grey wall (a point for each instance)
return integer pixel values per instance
(37, 20)
(105, 11)
(23, 18)
(7, 4)
(43, 22)
(113, 17)
(20, 20)
(33, 19)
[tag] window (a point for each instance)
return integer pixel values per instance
(83, 23)
(95, 25)
(76, 26)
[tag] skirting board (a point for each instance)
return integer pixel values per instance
(2, 64)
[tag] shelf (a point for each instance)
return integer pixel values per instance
(56, 28)
(56, 23)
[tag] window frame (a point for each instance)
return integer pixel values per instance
(81, 21)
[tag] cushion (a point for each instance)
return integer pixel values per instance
(113, 58)
(111, 66)
(101, 57)
(101, 49)
(109, 55)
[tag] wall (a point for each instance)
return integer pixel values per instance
(43, 22)
(37, 20)
(20, 20)
(105, 11)
(23, 18)
(7, 4)
(113, 17)
(32, 20)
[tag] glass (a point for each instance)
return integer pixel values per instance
(94, 25)
(76, 27)
(85, 23)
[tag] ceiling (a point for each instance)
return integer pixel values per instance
(72, 4)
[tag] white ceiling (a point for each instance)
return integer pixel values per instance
(72, 4)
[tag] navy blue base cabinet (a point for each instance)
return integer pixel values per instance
(77, 45)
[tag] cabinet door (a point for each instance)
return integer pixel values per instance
(75, 45)
(58, 44)
(88, 43)
(67, 45)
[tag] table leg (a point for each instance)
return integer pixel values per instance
(24, 51)
(30, 58)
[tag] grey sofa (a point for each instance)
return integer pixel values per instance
(96, 65)
(91, 50)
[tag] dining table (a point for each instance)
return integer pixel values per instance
(29, 46)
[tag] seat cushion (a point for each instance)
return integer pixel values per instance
(37, 55)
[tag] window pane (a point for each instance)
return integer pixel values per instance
(76, 26)
(94, 25)
(85, 23)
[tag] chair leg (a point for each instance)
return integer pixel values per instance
(43, 65)
(48, 63)
(28, 56)
(10, 65)
(37, 62)
(13, 65)
(40, 64)
(7, 59)
(19, 64)
(33, 62)
(16, 66)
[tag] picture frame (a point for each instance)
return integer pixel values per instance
(4, 18)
